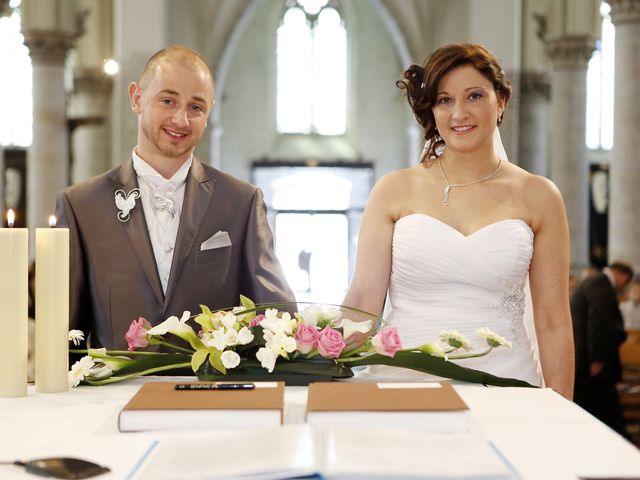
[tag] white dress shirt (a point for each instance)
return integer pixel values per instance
(631, 313)
(163, 237)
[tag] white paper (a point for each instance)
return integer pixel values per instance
(397, 385)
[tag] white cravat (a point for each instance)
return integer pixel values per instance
(162, 201)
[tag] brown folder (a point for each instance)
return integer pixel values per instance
(339, 396)
(160, 406)
(427, 407)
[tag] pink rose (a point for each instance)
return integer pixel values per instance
(306, 337)
(136, 336)
(387, 341)
(256, 321)
(330, 343)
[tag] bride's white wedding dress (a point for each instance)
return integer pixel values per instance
(442, 279)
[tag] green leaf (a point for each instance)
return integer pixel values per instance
(198, 358)
(155, 361)
(204, 319)
(195, 341)
(215, 361)
(121, 377)
(438, 366)
(247, 303)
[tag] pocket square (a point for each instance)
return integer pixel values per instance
(220, 239)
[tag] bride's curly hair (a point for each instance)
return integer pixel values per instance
(421, 84)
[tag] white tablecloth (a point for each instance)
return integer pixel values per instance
(539, 433)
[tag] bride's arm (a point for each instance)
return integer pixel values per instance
(549, 280)
(370, 280)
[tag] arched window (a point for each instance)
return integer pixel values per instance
(312, 69)
(600, 87)
(16, 116)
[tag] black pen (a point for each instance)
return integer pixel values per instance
(215, 386)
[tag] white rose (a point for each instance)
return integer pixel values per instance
(230, 359)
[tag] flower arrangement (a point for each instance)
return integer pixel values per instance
(300, 344)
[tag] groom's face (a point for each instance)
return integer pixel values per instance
(466, 109)
(173, 106)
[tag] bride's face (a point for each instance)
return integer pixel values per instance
(467, 109)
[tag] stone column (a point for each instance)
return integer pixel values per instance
(90, 142)
(90, 105)
(624, 224)
(535, 92)
(48, 155)
(569, 55)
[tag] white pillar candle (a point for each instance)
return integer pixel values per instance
(14, 304)
(52, 308)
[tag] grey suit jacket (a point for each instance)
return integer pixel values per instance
(114, 278)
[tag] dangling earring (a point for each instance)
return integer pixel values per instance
(500, 117)
(439, 150)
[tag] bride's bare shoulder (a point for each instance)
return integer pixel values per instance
(540, 196)
(398, 180)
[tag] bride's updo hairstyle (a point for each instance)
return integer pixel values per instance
(421, 84)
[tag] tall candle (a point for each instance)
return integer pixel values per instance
(14, 304)
(52, 308)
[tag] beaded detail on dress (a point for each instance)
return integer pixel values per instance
(511, 306)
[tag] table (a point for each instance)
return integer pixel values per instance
(542, 435)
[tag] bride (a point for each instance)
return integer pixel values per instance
(453, 239)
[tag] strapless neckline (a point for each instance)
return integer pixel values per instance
(483, 228)
(443, 279)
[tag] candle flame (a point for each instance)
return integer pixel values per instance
(11, 217)
(52, 221)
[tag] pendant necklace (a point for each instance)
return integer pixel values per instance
(449, 186)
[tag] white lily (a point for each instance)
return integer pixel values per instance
(434, 350)
(279, 343)
(218, 339)
(231, 337)
(173, 325)
(332, 315)
(245, 336)
(283, 324)
(114, 362)
(230, 359)
(349, 327)
(229, 320)
(267, 358)
(311, 315)
(493, 339)
(100, 372)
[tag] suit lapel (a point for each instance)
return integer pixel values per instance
(198, 193)
(136, 229)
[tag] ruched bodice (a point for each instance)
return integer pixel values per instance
(442, 279)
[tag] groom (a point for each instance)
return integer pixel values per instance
(163, 233)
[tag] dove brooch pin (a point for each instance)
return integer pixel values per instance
(125, 203)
